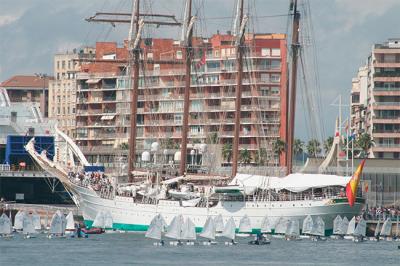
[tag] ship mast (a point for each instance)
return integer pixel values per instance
(293, 82)
(239, 43)
(134, 49)
(187, 34)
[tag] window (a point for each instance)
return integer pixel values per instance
(216, 53)
(178, 54)
(265, 52)
(275, 78)
(63, 64)
(58, 64)
(276, 52)
(69, 64)
(149, 55)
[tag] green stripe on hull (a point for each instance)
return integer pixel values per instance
(143, 228)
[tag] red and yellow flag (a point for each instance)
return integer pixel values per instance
(351, 188)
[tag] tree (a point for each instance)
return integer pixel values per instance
(298, 147)
(227, 152)
(328, 144)
(313, 148)
(245, 156)
(260, 156)
(278, 147)
(124, 146)
(365, 142)
(212, 138)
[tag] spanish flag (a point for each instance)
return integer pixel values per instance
(351, 188)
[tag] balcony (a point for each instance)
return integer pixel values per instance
(381, 91)
(387, 105)
(386, 148)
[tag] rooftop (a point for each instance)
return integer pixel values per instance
(25, 81)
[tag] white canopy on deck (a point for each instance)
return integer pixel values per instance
(297, 182)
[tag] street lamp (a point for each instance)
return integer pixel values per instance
(43, 76)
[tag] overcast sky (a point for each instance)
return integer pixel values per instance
(32, 31)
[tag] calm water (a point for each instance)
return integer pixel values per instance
(134, 249)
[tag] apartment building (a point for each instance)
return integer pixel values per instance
(103, 96)
(62, 90)
(359, 97)
(28, 89)
(382, 109)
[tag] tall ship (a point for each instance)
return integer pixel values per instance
(133, 205)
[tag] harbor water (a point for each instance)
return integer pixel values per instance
(134, 249)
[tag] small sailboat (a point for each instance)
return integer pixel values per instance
(18, 220)
(209, 231)
(56, 226)
(350, 229)
(155, 230)
(108, 222)
(266, 226)
(229, 231)
(360, 231)
(344, 225)
(307, 227)
(337, 225)
(386, 231)
(377, 231)
(98, 224)
(318, 229)
(397, 229)
(189, 232)
(281, 227)
(37, 224)
(27, 226)
(219, 224)
(293, 231)
(174, 230)
(5, 226)
(244, 227)
(70, 226)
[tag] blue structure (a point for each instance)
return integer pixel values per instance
(94, 168)
(16, 153)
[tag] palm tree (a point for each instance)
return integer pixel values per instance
(245, 156)
(124, 146)
(298, 147)
(260, 156)
(365, 142)
(313, 147)
(328, 144)
(278, 148)
(227, 152)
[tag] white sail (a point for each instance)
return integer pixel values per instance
(351, 227)
(377, 228)
(229, 229)
(307, 225)
(5, 225)
(56, 226)
(293, 229)
(70, 222)
(245, 225)
(344, 225)
(108, 220)
(387, 228)
(156, 227)
(174, 229)
(266, 226)
(18, 220)
(281, 226)
(209, 229)
(27, 225)
(318, 228)
(219, 223)
(188, 230)
(36, 221)
(361, 228)
(337, 225)
(99, 220)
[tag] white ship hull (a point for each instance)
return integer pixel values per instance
(131, 216)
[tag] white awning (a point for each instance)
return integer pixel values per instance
(294, 182)
(107, 117)
(92, 81)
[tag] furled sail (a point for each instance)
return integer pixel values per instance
(318, 228)
(188, 230)
(352, 226)
(229, 229)
(36, 221)
(5, 225)
(245, 225)
(175, 227)
(386, 228)
(27, 225)
(361, 228)
(282, 226)
(337, 225)
(209, 229)
(266, 225)
(99, 220)
(219, 223)
(307, 225)
(18, 220)
(344, 226)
